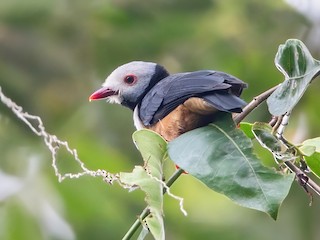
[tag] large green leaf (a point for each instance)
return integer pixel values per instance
(153, 150)
(294, 60)
(221, 156)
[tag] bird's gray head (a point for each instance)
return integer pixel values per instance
(128, 83)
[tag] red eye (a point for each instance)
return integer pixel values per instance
(130, 79)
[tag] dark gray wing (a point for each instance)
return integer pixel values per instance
(219, 89)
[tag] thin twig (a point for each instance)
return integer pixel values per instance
(146, 211)
(253, 104)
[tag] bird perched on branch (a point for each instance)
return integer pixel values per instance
(171, 104)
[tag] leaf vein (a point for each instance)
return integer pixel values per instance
(246, 159)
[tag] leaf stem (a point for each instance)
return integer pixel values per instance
(134, 227)
(173, 178)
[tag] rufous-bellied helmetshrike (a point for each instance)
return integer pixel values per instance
(171, 104)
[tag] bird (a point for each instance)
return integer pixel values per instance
(171, 104)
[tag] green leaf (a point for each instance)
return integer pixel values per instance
(307, 150)
(153, 150)
(310, 148)
(221, 156)
(247, 129)
(315, 142)
(294, 60)
(313, 163)
(263, 134)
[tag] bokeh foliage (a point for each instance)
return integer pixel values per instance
(53, 54)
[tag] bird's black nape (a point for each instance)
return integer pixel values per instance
(159, 74)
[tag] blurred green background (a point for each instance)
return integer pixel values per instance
(54, 54)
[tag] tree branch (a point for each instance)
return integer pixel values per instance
(307, 181)
(253, 104)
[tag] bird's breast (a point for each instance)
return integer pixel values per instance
(193, 113)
